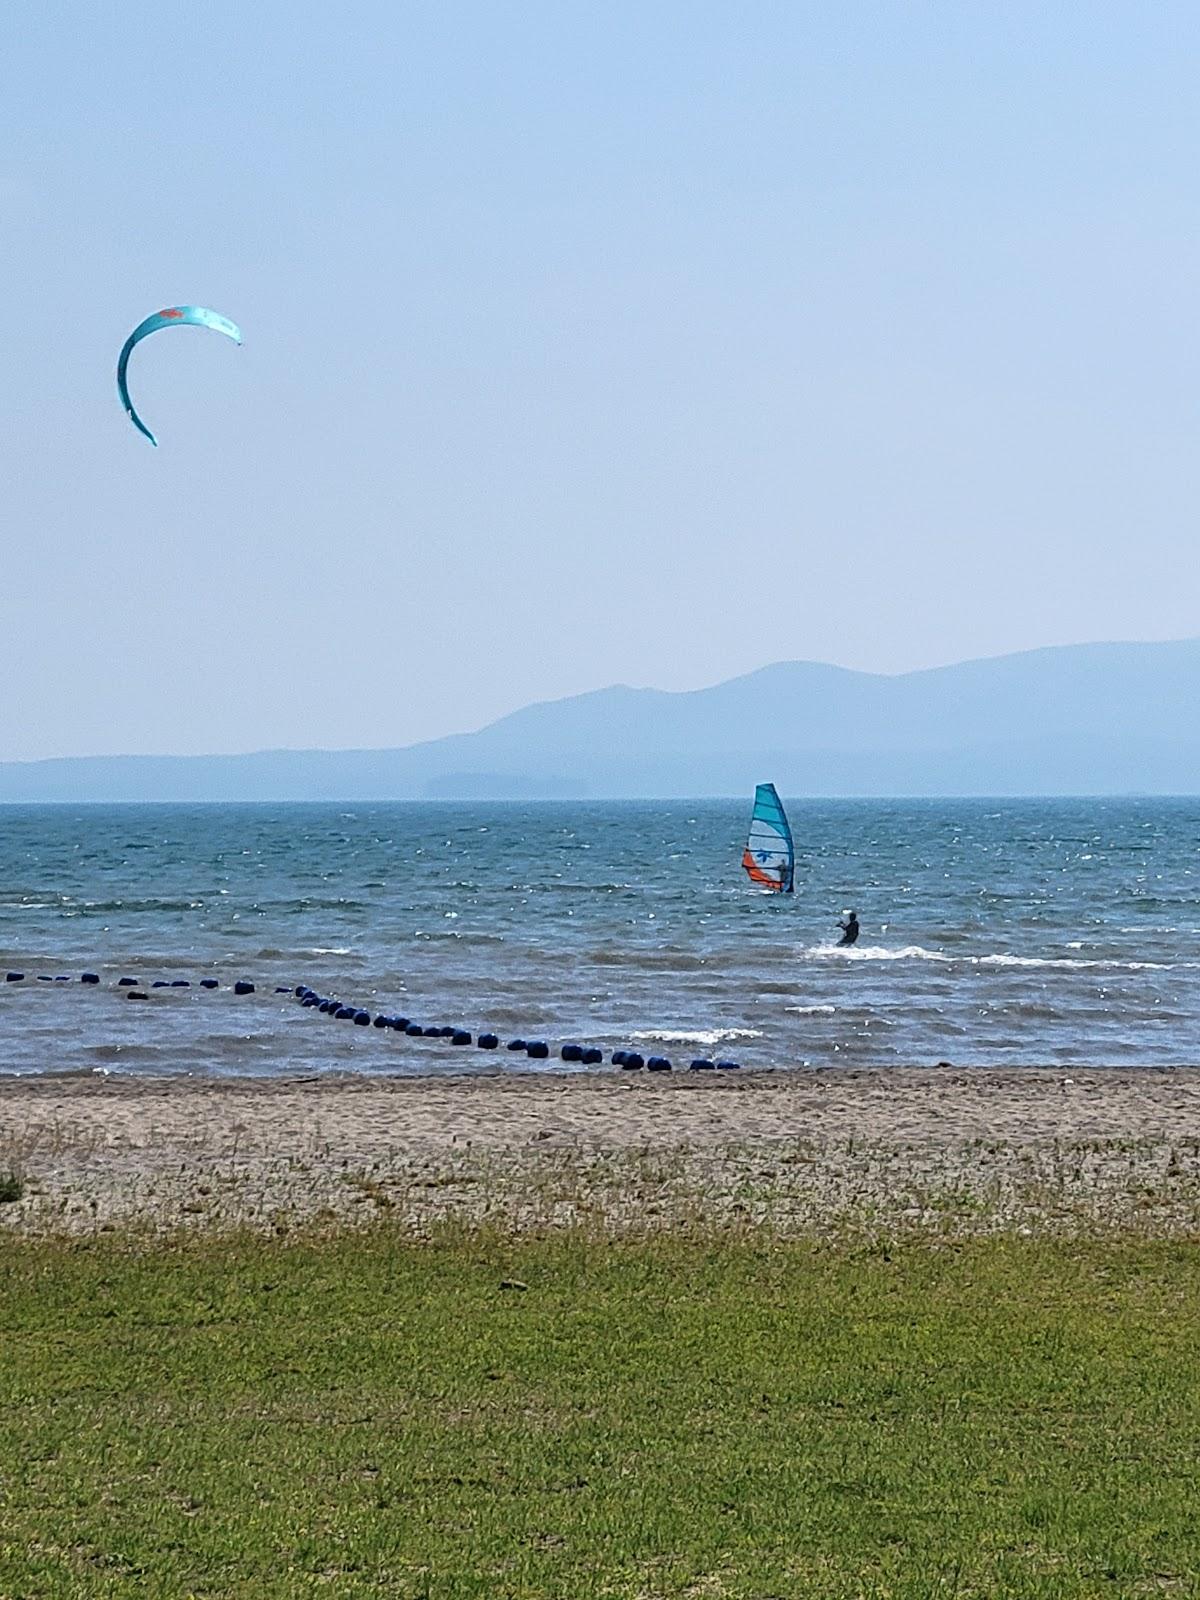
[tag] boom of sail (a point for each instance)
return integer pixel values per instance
(770, 857)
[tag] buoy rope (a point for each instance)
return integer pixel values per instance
(310, 1000)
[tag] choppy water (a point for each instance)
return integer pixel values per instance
(993, 932)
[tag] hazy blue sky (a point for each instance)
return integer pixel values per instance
(584, 343)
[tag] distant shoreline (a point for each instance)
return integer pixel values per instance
(567, 801)
(1096, 720)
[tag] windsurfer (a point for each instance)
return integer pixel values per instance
(849, 929)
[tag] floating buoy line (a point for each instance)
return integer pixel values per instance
(341, 1011)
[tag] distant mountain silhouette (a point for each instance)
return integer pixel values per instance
(1077, 719)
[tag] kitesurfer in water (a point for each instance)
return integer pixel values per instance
(849, 929)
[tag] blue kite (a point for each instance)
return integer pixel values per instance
(172, 317)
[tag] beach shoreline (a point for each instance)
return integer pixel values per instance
(960, 1150)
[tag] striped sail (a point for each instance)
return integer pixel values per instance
(769, 856)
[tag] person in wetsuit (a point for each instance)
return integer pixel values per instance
(849, 929)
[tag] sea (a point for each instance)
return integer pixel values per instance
(1048, 932)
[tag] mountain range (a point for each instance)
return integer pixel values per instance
(1072, 719)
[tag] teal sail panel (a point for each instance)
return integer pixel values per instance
(770, 857)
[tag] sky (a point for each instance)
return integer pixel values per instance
(583, 344)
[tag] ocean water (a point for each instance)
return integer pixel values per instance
(1048, 932)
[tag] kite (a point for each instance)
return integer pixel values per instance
(172, 317)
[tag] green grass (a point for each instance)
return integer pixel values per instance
(365, 1416)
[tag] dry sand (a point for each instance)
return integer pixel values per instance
(954, 1151)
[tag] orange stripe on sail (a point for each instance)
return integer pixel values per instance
(757, 874)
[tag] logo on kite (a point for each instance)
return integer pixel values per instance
(172, 317)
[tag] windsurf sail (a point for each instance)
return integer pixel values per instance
(770, 857)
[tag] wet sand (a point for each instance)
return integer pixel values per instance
(955, 1151)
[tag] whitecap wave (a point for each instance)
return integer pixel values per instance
(877, 952)
(1075, 962)
(999, 958)
(697, 1036)
(811, 1011)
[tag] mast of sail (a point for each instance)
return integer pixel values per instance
(770, 857)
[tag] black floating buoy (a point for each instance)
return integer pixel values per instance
(487, 1041)
(42, 977)
(632, 1061)
(63, 977)
(383, 1022)
(326, 1005)
(182, 983)
(702, 1064)
(460, 1036)
(399, 1024)
(136, 994)
(571, 1052)
(537, 1050)
(516, 1044)
(242, 987)
(302, 991)
(729, 1066)
(209, 983)
(658, 1064)
(592, 1057)
(362, 1019)
(345, 1013)
(618, 1057)
(85, 977)
(414, 1030)
(310, 1000)
(14, 977)
(279, 989)
(126, 983)
(160, 983)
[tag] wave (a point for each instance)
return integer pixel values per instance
(562, 886)
(999, 958)
(710, 1036)
(877, 952)
(126, 1052)
(104, 908)
(646, 959)
(811, 1011)
(1076, 962)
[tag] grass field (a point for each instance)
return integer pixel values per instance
(562, 1418)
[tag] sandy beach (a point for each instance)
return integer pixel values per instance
(952, 1150)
